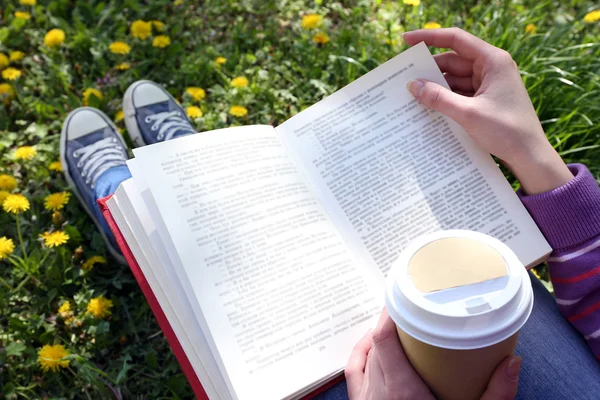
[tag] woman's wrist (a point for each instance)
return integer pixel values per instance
(541, 172)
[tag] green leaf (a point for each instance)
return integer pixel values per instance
(38, 130)
(4, 33)
(15, 349)
(151, 359)
(18, 23)
(124, 369)
(73, 232)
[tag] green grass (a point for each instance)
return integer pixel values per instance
(125, 355)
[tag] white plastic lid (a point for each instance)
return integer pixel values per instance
(464, 317)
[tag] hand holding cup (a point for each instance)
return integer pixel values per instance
(378, 369)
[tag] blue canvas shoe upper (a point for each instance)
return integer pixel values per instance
(152, 115)
(92, 148)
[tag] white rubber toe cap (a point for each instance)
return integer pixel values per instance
(148, 93)
(83, 122)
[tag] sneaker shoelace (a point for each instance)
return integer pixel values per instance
(169, 124)
(99, 157)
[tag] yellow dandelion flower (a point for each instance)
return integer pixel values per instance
(22, 15)
(55, 239)
(8, 182)
(178, 2)
(119, 116)
(531, 28)
(15, 204)
(238, 111)
(193, 112)
(123, 66)
(3, 195)
(412, 2)
(6, 92)
(320, 38)
(54, 37)
(3, 61)
(592, 16)
(239, 82)
(99, 307)
(91, 91)
(432, 25)
(56, 201)
(220, 60)
(160, 26)
(7, 246)
(16, 55)
(161, 41)
(141, 29)
(119, 48)
(11, 74)
(51, 357)
(311, 21)
(537, 275)
(196, 93)
(55, 166)
(27, 2)
(65, 309)
(93, 260)
(25, 153)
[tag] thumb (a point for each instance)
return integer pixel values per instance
(505, 380)
(439, 98)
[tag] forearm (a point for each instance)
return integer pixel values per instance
(542, 170)
(569, 218)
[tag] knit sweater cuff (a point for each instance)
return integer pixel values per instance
(569, 215)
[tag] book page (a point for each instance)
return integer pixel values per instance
(282, 294)
(388, 169)
(160, 238)
(140, 233)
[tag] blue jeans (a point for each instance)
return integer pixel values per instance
(557, 363)
(105, 185)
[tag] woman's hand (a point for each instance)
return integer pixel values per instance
(379, 370)
(489, 100)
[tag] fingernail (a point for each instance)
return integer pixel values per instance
(513, 368)
(415, 87)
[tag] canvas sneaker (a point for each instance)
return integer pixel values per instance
(90, 145)
(152, 115)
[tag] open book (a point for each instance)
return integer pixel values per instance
(267, 248)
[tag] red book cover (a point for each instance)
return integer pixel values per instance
(163, 322)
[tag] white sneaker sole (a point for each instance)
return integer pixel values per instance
(63, 146)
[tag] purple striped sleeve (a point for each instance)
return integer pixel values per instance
(569, 218)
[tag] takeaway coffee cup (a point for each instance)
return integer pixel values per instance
(458, 299)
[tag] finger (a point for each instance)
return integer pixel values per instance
(465, 44)
(505, 380)
(387, 347)
(355, 368)
(463, 83)
(374, 365)
(454, 64)
(439, 98)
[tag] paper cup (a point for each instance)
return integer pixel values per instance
(455, 331)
